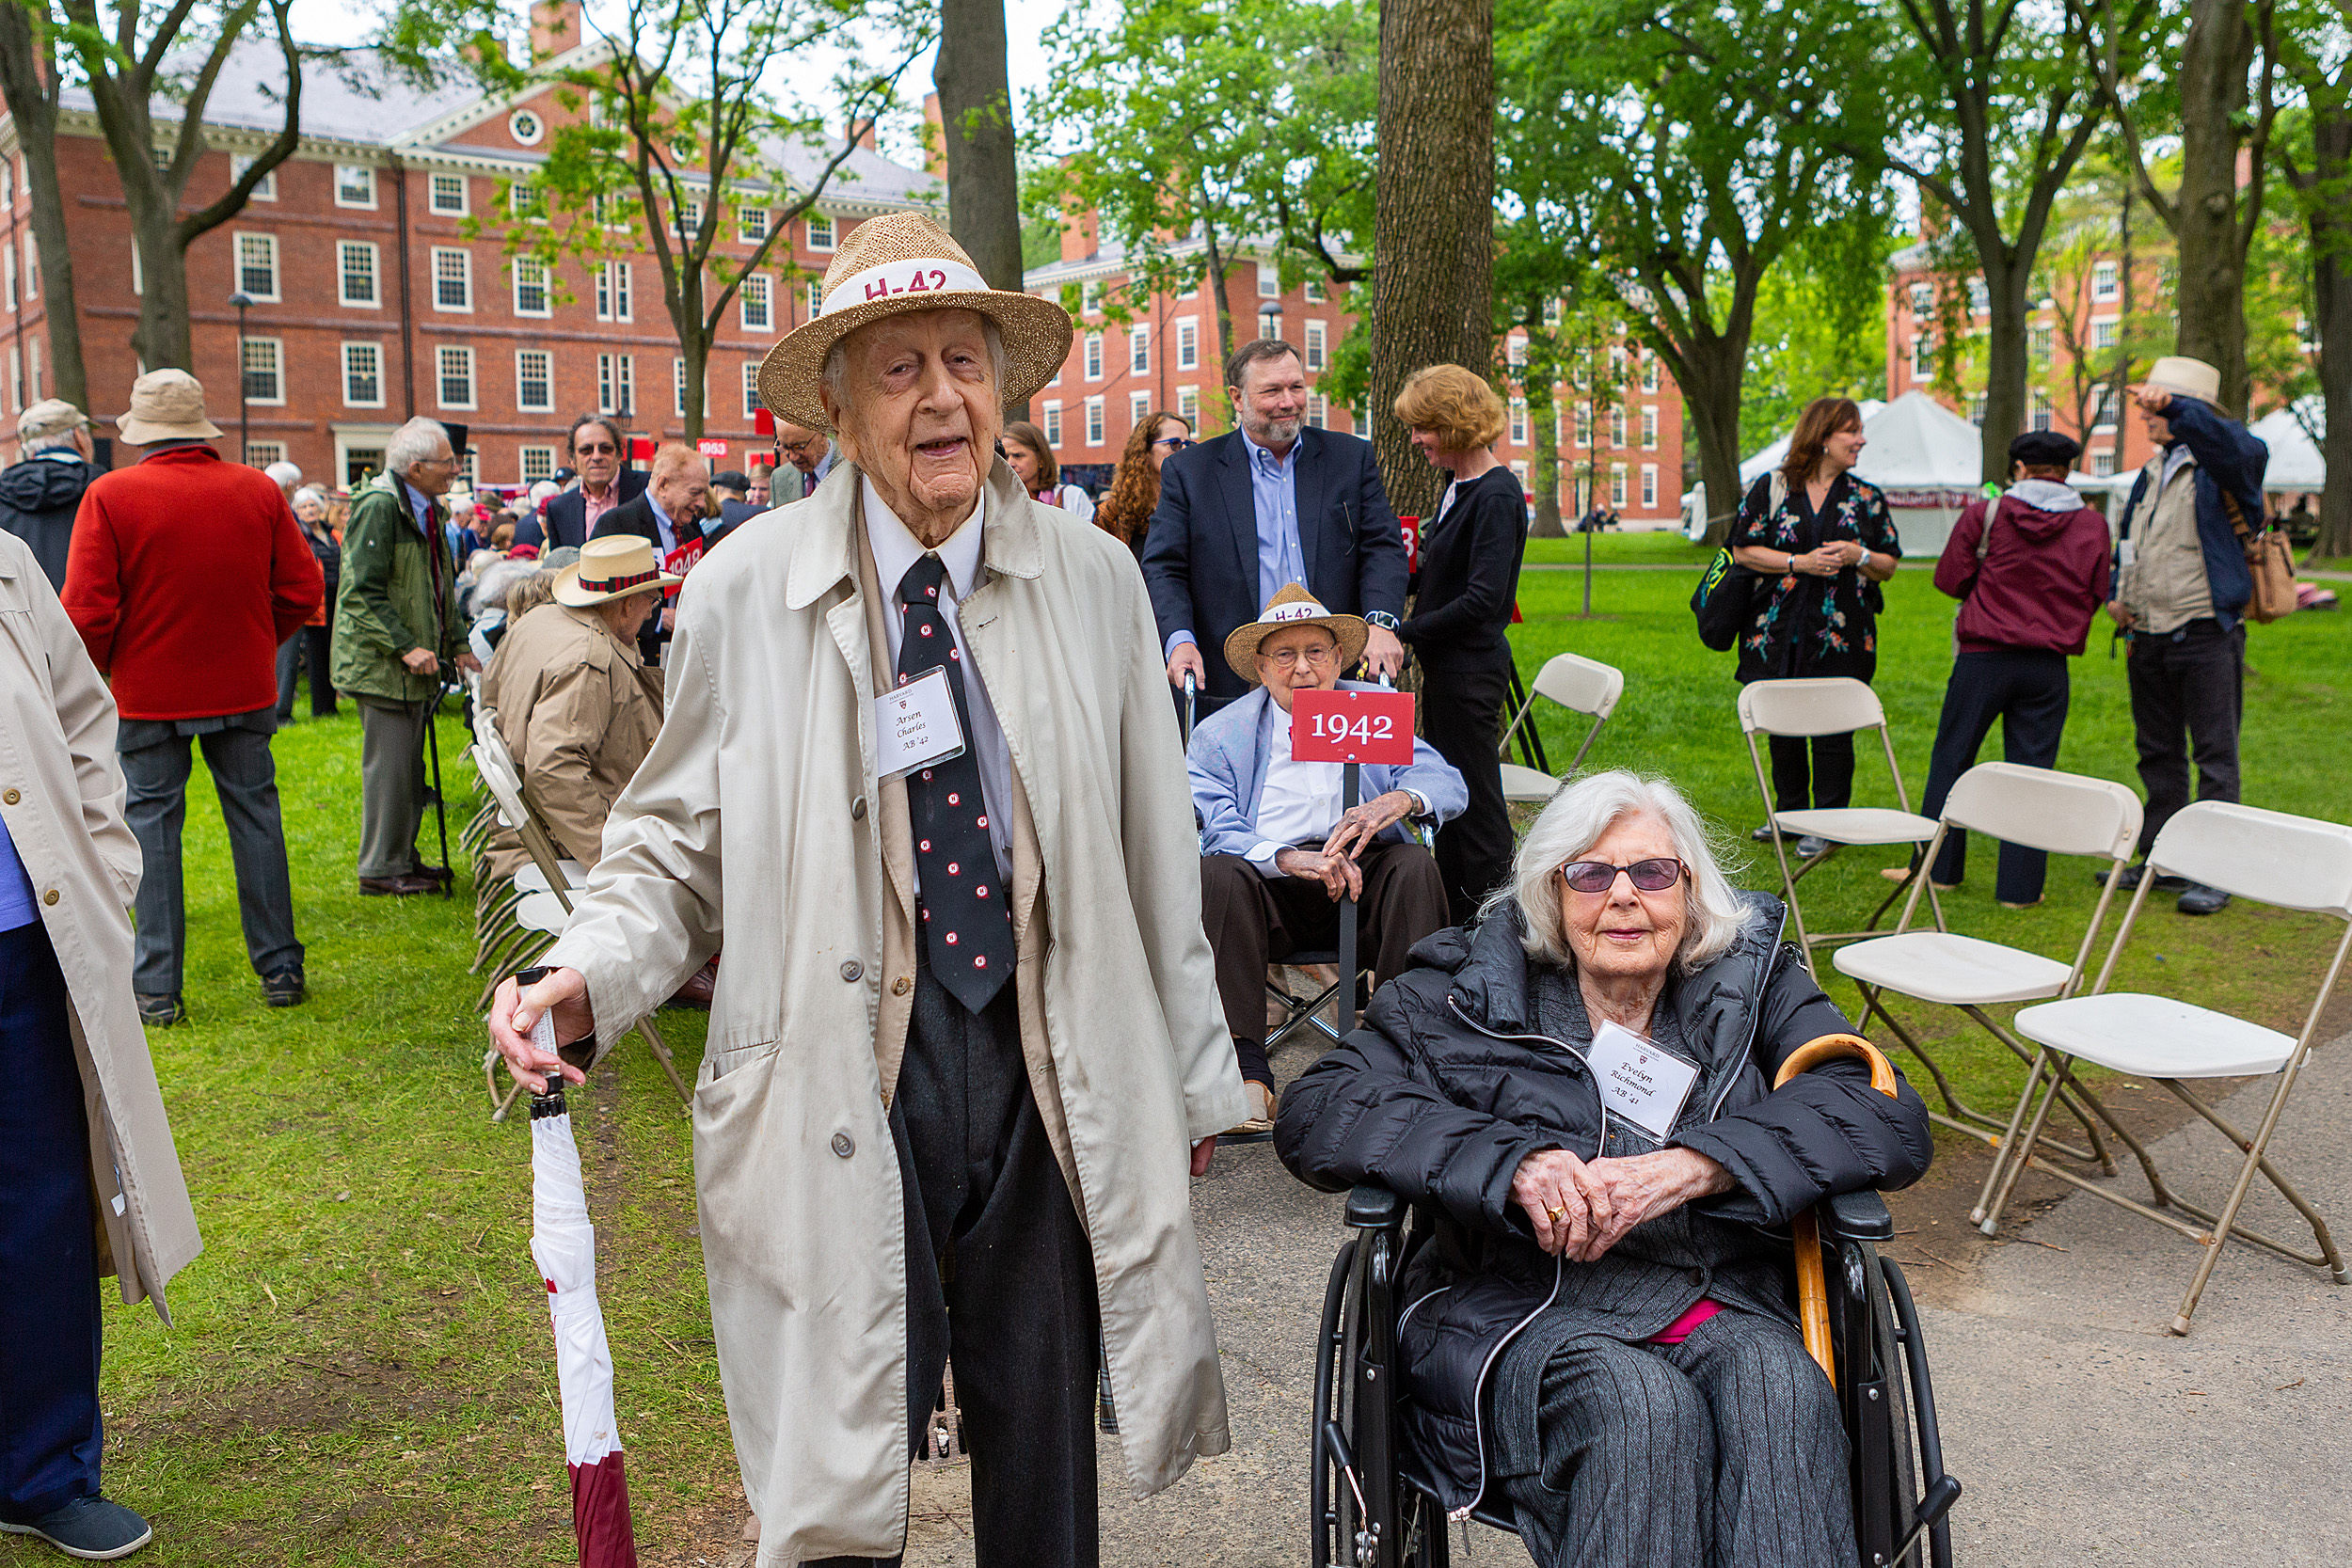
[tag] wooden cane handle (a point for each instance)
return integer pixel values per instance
(1812, 1288)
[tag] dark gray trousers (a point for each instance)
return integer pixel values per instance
(2192, 680)
(1000, 1278)
(155, 765)
(391, 784)
(2026, 688)
(1724, 1452)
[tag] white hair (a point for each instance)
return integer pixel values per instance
(288, 475)
(412, 443)
(1576, 819)
(309, 492)
(836, 374)
(59, 441)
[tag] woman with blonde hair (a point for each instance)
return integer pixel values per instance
(1464, 586)
(1028, 456)
(1134, 493)
(1822, 541)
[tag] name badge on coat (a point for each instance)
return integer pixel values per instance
(916, 724)
(1643, 1083)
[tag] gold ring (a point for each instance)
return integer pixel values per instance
(1555, 1214)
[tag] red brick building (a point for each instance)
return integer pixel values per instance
(1165, 357)
(381, 287)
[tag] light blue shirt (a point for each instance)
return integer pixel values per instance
(1274, 495)
(16, 887)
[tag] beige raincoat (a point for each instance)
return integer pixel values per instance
(61, 794)
(771, 679)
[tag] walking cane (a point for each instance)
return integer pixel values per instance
(440, 811)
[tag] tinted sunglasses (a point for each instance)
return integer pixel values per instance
(596, 449)
(1650, 875)
(1177, 443)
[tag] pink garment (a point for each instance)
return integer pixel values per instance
(1687, 1324)
(597, 507)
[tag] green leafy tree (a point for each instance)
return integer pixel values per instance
(1819, 324)
(2315, 155)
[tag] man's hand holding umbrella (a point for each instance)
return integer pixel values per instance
(515, 1011)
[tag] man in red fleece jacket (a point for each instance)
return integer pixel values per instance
(2030, 571)
(184, 575)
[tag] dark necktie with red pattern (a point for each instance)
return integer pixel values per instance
(966, 928)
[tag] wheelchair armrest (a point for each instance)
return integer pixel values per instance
(1370, 1208)
(1857, 1217)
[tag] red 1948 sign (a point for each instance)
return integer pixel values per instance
(1352, 726)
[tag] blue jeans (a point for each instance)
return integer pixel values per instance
(50, 1437)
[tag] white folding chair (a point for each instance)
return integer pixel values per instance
(2267, 857)
(1579, 684)
(1832, 705)
(2063, 814)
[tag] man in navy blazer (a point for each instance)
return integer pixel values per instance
(1247, 513)
(606, 482)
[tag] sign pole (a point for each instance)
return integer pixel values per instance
(1350, 787)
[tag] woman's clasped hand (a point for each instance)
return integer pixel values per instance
(1580, 1209)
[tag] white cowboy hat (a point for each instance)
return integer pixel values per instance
(165, 405)
(612, 567)
(2185, 377)
(1293, 607)
(893, 266)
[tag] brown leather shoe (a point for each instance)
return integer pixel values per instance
(697, 990)
(403, 886)
(439, 876)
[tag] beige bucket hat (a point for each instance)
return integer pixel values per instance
(612, 567)
(165, 405)
(2185, 377)
(1293, 607)
(47, 417)
(894, 265)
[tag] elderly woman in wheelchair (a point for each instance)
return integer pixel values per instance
(1579, 1092)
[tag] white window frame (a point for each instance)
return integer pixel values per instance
(7, 275)
(346, 358)
(2105, 332)
(32, 269)
(1270, 325)
(1311, 291)
(1090, 297)
(2099, 412)
(260, 454)
(523, 464)
(1094, 422)
(464, 279)
(1053, 423)
(33, 359)
(1649, 427)
(2106, 282)
(2102, 463)
(759, 287)
(546, 286)
(751, 388)
(343, 250)
(441, 361)
(244, 236)
(1139, 408)
(547, 360)
(1318, 346)
(277, 352)
(1269, 281)
(1187, 344)
(1649, 370)
(1094, 356)
(615, 293)
(1188, 406)
(367, 174)
(465, 196)
(1649, 486)
(16, 379)
(1617, 485)
(1140, 350)
(748, 232)
(1518, 421)
(823, 232)
(265, 189)
(1514, 349)
(1318, 411)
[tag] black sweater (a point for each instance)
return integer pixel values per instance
(1469, 576)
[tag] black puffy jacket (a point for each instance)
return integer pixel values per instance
(1448, 1087)
(39, 500)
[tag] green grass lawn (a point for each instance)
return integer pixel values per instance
(359, 1370)
(1620, 549)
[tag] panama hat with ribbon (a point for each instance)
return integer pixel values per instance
(612, 567)
(1293, 607)
(2185, 377)
(895, 266)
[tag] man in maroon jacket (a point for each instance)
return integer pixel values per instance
(185, 574)
(2030, 571)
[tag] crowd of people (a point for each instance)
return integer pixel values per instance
(1000, 974)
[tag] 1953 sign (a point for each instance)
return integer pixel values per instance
(1352, 726)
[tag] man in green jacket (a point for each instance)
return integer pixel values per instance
(396, 629)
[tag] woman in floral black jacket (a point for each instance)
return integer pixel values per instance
(1823, 540)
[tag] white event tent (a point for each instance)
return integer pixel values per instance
(1928, 459)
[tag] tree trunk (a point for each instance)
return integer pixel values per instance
(162, 337)
(2330, 222)
(1434, 234)
(2211, 293)
(1710, 374)
(1544, 409)
(1224, 306)
(693, 344)
(975, 115)
(2006, 361)
(28, 73)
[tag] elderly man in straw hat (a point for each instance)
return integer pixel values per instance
(2181, 590)
(1278, 854)
(950, 1104)
(576, 705)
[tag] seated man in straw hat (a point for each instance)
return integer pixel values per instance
(957, 1074)
(576, 705)
(1278, 854)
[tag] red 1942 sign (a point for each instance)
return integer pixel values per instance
(1352, 726)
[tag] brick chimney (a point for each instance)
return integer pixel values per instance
(866, 141)
(934, 139)
(1079, 240)
(555, 29)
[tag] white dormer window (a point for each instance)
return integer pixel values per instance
(355, 186)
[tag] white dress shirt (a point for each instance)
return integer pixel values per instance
(896, 551)
(1298, 802)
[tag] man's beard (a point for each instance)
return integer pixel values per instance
(1280, 430)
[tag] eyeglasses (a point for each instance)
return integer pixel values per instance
(1316, 655)
(794, 447)
(1173, 443)
(596, 449)
(1650, 875)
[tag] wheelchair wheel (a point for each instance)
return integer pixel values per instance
(1891, 1373)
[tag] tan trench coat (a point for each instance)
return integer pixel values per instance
(771, 678)
(61, 794)
(579, 710)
